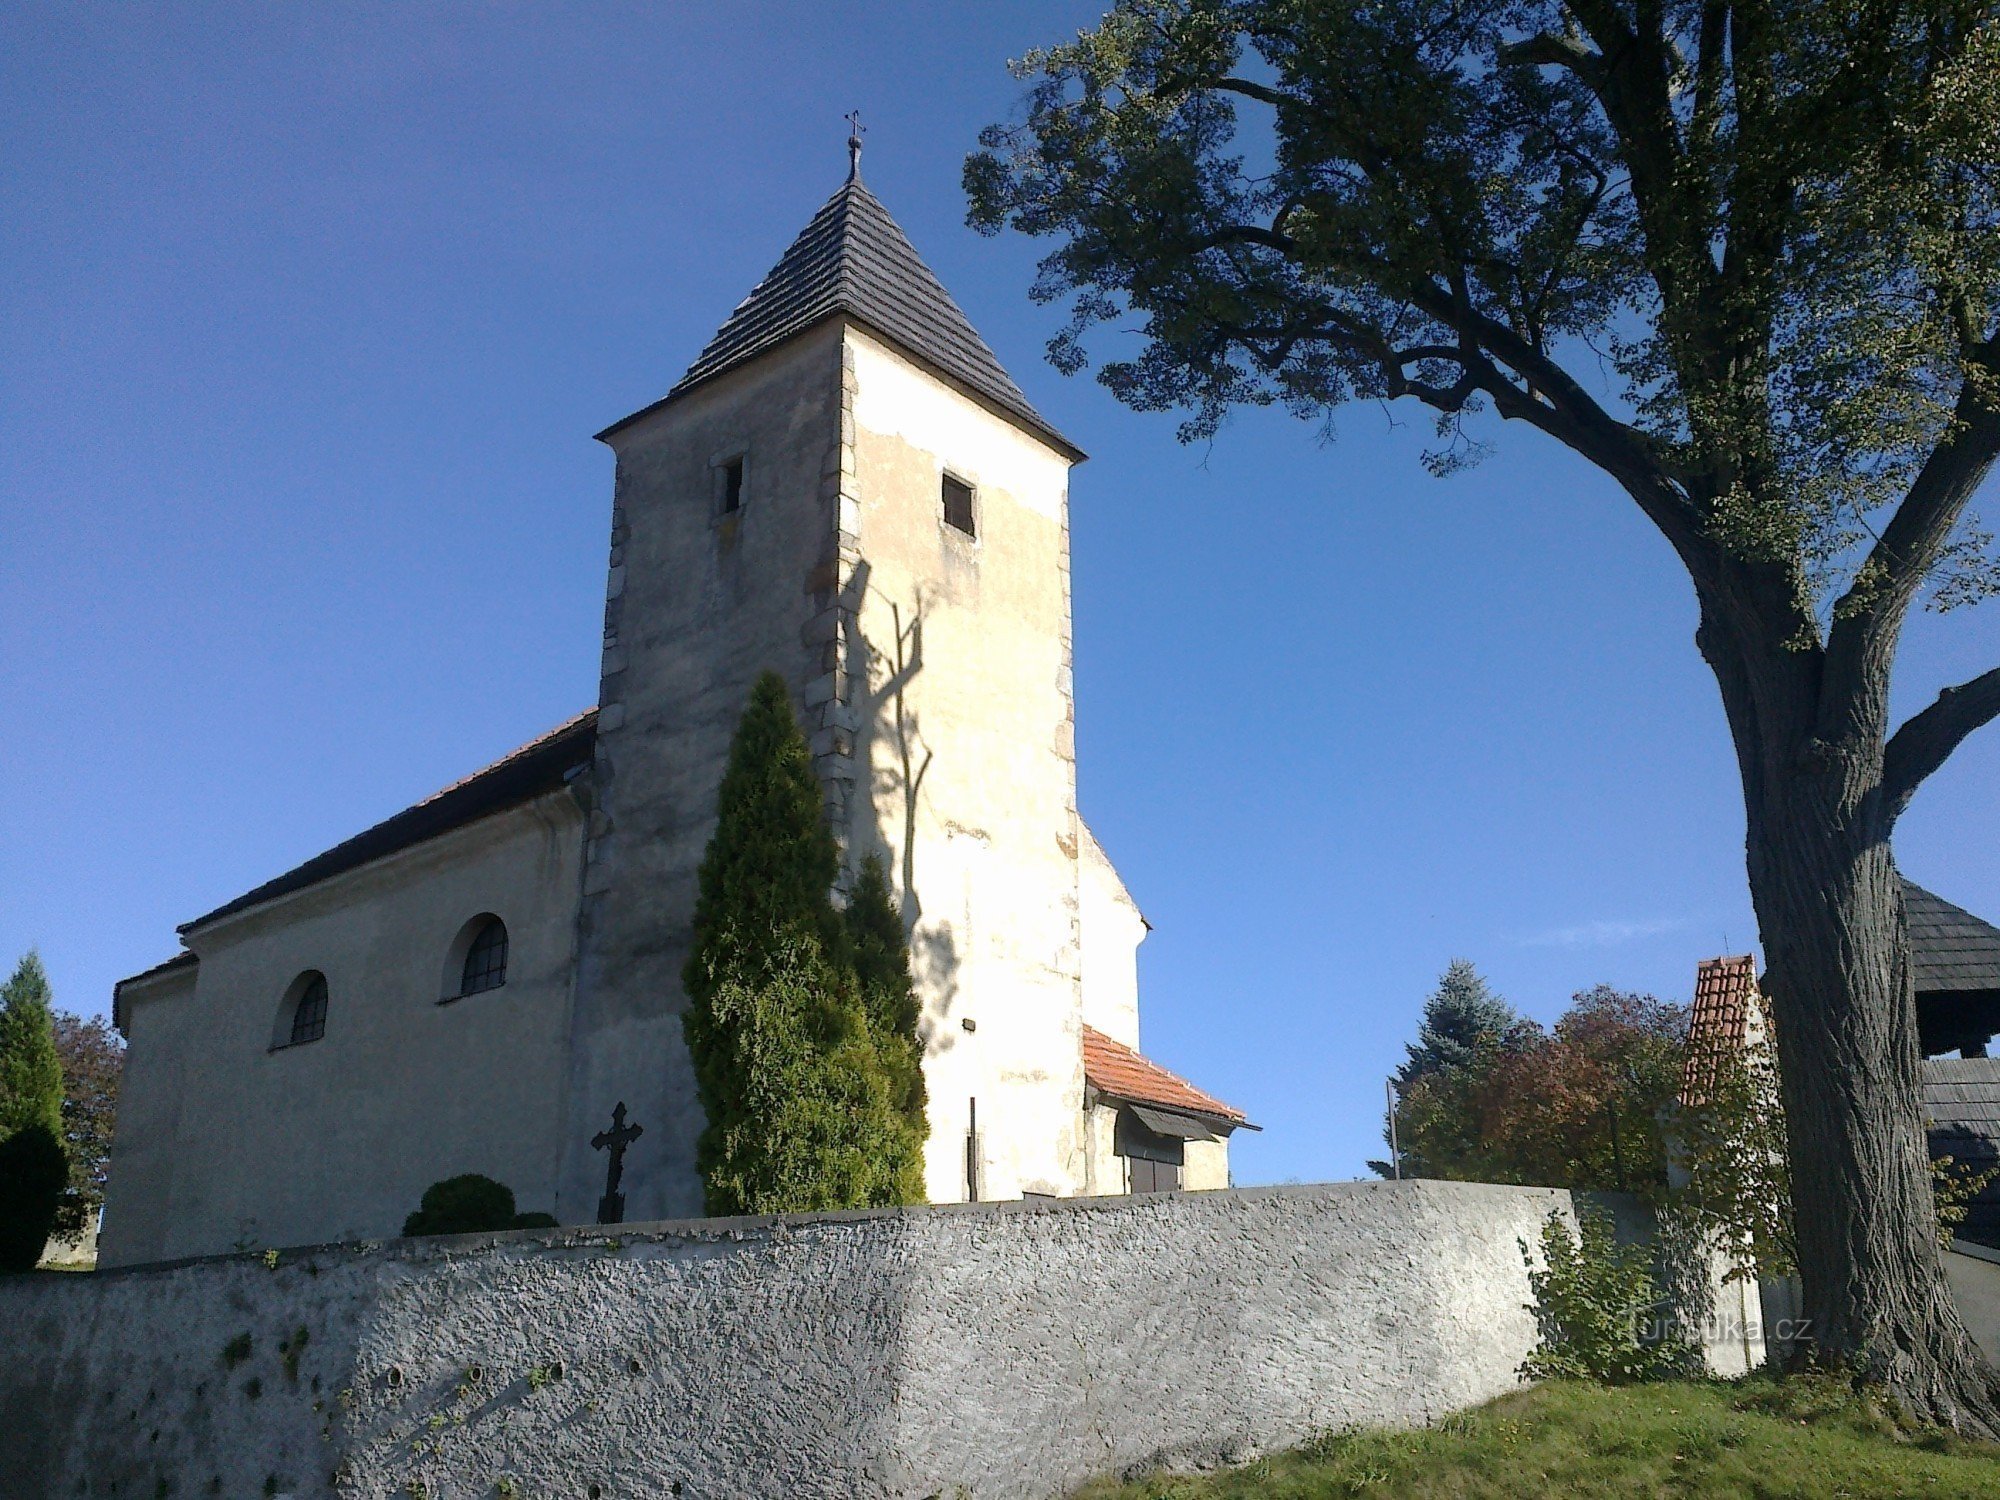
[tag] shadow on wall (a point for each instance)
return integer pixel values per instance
(881, 673)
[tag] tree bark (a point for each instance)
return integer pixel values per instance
(1829, 905)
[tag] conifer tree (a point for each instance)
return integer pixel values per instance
(800, 1103)
(31, 1079)
(889, 995)
(1463, 1020)
(800, 1109)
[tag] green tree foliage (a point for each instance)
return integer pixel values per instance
(1746, 263)
(805, 1096)
(93, 1059)
(881, 950)
(1578, 1106)
(33, 1175)
(1729, 1144)
(31, 1077)
(771, 863)
(1599, 1311)
(1463, 1021)
(470, 1204)
(801, 1108)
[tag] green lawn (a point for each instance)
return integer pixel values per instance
(1760, 1438)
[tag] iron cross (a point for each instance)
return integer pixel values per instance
(611, 1207)
(855, 129)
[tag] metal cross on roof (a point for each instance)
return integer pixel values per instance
(855, 130)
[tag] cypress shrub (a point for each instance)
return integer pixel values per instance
(771, 863)
(889, 996)
(802, 1101)
(34, 1171)
(800, 1109)
(31, 1079)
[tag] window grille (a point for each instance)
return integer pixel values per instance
(309, 1015)
(486, 959)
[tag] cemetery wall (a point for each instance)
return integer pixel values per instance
(1008, 1349)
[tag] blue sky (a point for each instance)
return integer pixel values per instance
(306, 317)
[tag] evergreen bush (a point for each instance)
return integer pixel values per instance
(31, 1078)
(807, 1120)
(881, 951)
(34, 1172)
(807, 1099)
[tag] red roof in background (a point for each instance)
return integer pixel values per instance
(1718, 1027)
(1115, 1069)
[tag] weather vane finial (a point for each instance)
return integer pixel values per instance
(854, 132)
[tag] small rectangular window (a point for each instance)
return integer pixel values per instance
(958, 505)
(729, 489)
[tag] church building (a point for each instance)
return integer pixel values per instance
(847, 488)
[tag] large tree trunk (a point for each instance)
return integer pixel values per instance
(1830, 911)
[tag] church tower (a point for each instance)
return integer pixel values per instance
(847, 488)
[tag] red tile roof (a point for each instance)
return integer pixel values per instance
(1719, 1026)
(1113, 1068)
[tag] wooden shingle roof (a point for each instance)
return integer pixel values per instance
(1961, 1097)
(1951, 950)
(853, 259)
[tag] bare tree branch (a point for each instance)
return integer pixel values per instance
(1926, 740)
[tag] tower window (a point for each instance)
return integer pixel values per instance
(309, 1013)
(729, 487)
(958, 505)
(486, 960)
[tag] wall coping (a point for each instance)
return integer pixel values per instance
(743, 1227)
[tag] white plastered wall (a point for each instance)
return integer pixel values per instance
(225, 1141)
(1112, 932)
(968, 702)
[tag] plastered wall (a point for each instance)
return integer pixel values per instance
(992, 1349)
(966, 728)
(226, 1139)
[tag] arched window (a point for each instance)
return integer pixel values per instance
(486, 959)
(309, 1010)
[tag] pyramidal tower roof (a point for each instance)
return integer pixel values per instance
(854, 259)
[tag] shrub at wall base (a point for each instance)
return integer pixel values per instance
(34, 1171)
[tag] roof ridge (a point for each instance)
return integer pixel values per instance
(515, 776)
(512, 755)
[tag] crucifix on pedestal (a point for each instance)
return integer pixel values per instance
(611, 1207)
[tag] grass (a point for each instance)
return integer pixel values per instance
(1760, 1438)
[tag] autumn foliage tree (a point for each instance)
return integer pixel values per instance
(93, 1060)
(1746, 261)
(1580, 1105)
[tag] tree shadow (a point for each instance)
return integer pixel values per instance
(880, 673)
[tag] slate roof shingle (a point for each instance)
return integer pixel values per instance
(853, 258)
(1962, 1109)
(539, 766)
(1114, 1069)
(1950, 949)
